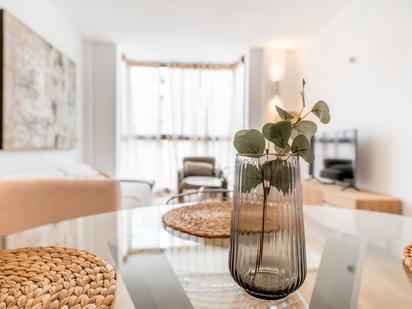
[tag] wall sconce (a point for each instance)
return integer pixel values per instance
(276, 88)
(276, 94)
(276, 74)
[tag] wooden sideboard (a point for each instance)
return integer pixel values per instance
(317, 193)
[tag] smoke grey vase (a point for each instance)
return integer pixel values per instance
(267, 245)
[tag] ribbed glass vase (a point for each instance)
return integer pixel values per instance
(267, 247)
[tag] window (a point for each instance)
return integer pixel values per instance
(172, 112)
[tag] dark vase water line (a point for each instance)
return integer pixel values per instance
(267, 247)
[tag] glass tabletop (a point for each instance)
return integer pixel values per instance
(353, 257)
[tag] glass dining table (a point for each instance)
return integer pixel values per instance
(353, 259)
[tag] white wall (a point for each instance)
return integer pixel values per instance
(263, 67)
(372, 93)
(101, 93)
(42, 17)
(254, 88)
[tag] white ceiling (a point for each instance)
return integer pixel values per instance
(202, 30)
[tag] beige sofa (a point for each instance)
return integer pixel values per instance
(34, 200)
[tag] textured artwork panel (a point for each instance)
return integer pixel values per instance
(39, 91)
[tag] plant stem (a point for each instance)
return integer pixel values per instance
(301, 111)
(262, 234)
(304, 116)
(300, 118)
(265, 202)
(266, 192)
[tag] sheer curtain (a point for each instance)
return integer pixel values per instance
(172, 112)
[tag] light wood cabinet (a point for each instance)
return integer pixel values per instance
(316, 193)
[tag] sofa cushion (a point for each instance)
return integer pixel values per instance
(27, 203)
(192, 168)
(73, 171)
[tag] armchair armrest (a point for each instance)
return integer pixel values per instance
(217, 172)
(180, 177)
(136, 192)
(150, 183)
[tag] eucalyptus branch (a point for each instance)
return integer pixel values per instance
(302, 93)
(304, 116)
(289, 136)
(301, 111)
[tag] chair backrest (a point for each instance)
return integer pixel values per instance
(210, 160)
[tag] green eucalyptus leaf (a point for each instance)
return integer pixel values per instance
(267, 170)
(282, 150)
(284, 114)
(240, 132)
(301, 146)
(251, 178)
(249, 142)
(321, 110)
(278, 133)
(282, 176)
(305, 127)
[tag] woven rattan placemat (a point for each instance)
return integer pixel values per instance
(209, 220)
(55, 277)
(212, 219)
(407, 261)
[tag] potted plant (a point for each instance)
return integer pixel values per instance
(267, 246)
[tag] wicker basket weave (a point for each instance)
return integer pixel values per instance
(209, 220)
(212, 219)
(407, 256)
(55, 277)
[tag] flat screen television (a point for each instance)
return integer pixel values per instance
(335, 157)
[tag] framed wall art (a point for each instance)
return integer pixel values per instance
(38, 91)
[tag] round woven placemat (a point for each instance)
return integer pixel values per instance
(209, 220)
(54, 278)
(212, 219)
(407, 256)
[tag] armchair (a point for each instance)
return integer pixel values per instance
(136, 192)
(200, 172)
